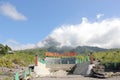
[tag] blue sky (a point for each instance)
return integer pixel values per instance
(39, 18)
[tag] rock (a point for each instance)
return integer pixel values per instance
(41, 70)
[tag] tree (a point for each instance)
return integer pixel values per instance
(4, 49)
(1, 49)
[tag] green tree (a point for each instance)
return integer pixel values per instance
(4, 49)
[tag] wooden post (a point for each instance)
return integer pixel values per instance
(36, 60)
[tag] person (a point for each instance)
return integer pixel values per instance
(90, 66)
(91, 58)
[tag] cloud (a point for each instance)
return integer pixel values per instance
(98, 16)
(9, 10)
(18, 46)
(49, 41)
(104, 34)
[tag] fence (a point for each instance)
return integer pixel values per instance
(22, 75)
(63, 60)
(112, 66)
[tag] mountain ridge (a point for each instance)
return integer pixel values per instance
(78, 49)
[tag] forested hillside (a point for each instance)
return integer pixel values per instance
(78, 50)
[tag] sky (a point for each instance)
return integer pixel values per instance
(30, 23)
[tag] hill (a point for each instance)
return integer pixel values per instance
(79, 49)
(87, 49)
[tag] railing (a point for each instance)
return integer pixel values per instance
(112, 66)
(22, 75)
(86, 59)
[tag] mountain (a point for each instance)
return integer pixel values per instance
(52, 45)
(87, 49)
(59, 49)
(79, 49)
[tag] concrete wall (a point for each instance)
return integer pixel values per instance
(50, 60)
(55, 67)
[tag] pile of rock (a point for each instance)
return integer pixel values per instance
(99, 71)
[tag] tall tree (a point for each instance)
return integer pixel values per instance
(4, 49)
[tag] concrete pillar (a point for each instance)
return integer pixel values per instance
(76, 61)
(25, 74)
(53, 62)
(60, 61)
(36, 60)
(16, 77)
(87, 58)
(30, 71)
(68, 62)
(115, 65)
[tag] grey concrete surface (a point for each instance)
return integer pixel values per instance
(55, 67)
(75, 77)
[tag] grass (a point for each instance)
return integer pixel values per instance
(1, 73)
(7, 78)
(112, 56)
(22, 59)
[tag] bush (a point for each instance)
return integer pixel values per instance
(21, 59)
(5, 63)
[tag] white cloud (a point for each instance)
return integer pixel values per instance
(105, 34)
(9, 10)
(18, 46)
(98, 16)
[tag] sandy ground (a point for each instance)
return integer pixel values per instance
(75, 77)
